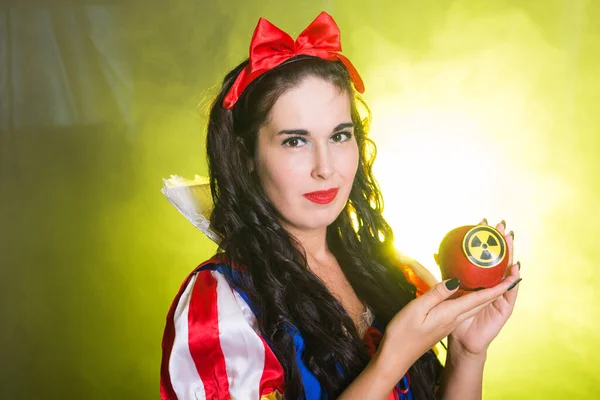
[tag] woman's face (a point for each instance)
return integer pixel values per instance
(307, 155)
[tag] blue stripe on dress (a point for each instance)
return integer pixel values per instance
(312, 387)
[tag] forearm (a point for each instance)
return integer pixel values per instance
(463, 375)
(377, 380)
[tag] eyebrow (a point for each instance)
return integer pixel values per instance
(304, 132)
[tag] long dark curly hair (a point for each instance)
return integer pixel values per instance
(281, 287)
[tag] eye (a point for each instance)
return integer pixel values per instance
(341, 136)
(295, 141)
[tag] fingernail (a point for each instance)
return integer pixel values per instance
(519, 264)
(485, 221)
(514, 284)
(511, 233)
(503, 223)
(452, 283)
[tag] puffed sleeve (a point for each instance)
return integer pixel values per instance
(211, 346)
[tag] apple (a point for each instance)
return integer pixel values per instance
(475, 254)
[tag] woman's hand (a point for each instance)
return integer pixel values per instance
(431, 317)
(473, 335)
(413, 331)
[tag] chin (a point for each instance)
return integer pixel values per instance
(323, 218)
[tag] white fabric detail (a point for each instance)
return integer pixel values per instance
(365, 320)
(185, 379)
(193, 200)
(242, 348)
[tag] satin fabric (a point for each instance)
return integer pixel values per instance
(270, 47)
(312, 387)
(213, 348)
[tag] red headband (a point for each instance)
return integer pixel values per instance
(270, 47)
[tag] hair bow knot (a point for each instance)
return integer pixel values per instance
(270, 47)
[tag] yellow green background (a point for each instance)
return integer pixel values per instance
(480, 109)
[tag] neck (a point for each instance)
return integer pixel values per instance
(314, 244)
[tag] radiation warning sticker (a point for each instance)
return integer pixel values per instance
(484, 246)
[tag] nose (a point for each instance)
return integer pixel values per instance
(323, 163)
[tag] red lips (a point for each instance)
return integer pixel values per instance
(322, 196)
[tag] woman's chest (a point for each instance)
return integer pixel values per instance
(341, 289)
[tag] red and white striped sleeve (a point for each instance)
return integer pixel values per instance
(212, 349)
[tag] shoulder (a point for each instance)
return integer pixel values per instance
(199, 291)
(210, 321)
(206, 287)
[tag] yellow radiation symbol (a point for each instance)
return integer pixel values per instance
(484, 246)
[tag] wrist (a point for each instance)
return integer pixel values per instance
(457, 352)
(390, 367)
(376, 381)
(462, 378)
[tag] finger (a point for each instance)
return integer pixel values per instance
(509, 245)
(437, 294)
(475, 299)
(510, 268)
(501, 227)
(513, 272)
(515, 276)
(483, 222)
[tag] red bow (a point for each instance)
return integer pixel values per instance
(270, 47)
(371, 339)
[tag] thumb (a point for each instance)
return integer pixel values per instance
(438, 293)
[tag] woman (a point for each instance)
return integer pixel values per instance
(306, 297)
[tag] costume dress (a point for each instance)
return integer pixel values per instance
(213, 349)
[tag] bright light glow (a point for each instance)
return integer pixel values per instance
(427, 156)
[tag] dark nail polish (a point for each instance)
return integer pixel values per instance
(452, 283)
(503, 223)
(514, 284)
(519, 264)
(511, 233)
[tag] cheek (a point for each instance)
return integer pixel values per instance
(349, 162)
(280, 175)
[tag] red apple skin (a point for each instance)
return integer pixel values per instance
(454, 263)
